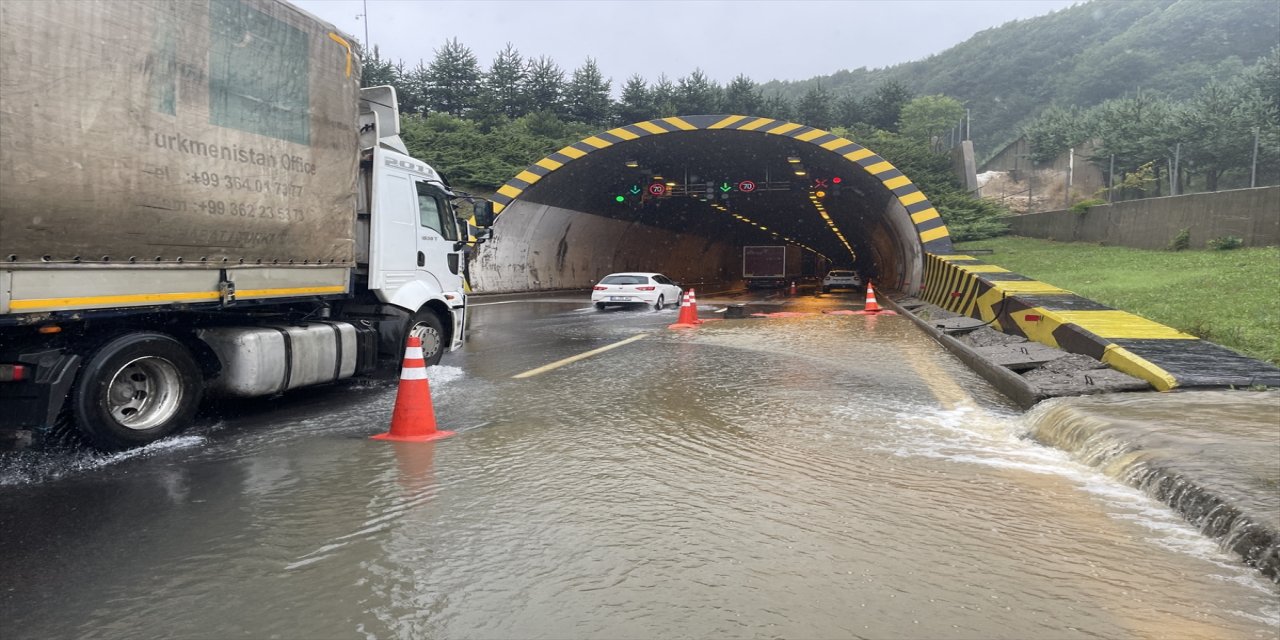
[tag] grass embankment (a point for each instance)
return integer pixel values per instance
(1231, 297)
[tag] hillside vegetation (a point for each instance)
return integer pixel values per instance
(1079, 56)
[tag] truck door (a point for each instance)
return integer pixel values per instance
(411, 257)
(437, 261)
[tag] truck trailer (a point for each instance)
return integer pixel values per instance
(198, 200)
(770, 266)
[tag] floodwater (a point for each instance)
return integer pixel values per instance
(809, 477)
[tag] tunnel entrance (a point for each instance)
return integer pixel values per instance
(683, 195)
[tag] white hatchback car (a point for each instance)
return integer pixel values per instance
(652, 289)
(841, 279)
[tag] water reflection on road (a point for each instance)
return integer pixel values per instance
(814, 477)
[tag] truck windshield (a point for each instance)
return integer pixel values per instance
(435, 213)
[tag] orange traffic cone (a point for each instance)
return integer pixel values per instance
(688, 317)
(871, 305)
(413, 419)
(872, 308)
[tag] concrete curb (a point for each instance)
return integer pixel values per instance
(1007, 382)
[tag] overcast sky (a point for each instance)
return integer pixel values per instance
(770, 40)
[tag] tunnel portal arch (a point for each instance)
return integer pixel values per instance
(895, 226)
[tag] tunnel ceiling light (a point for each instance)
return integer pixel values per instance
(634, 164)
(800, 172)
(658, 178)
(671, 184)
(793, 159)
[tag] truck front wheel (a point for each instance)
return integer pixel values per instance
(426, 326)
(136, 389)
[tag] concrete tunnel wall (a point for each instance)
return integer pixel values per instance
(541, 247)
(549, 237)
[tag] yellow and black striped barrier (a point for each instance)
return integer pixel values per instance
(1018, 305)
(929, 226)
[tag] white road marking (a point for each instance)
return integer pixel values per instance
(581, 356)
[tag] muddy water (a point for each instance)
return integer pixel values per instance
(1213, 456)
(816, 477)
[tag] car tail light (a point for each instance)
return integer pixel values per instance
(645, 288)
(13, 372)
(598, 288)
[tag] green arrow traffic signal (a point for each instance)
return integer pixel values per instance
(725, 187)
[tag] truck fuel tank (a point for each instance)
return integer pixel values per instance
(265, 360)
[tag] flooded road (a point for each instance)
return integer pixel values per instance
(809, 477)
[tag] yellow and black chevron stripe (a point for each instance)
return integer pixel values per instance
(929, 226)
(1161, 355)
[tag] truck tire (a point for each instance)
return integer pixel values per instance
(136, 389)
(425, 324)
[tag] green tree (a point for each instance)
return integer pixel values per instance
(664, 97)
(967, 217)
(504, 84)
(412, 90)
(697, 95)
(1217, 126)
(544, 85)
(376, 72)
(849, 111)
(452, 80)
(636, 104)
(742, 96)
(884, 109)
(1055, 130)
(778, 107)
(587, 95)
(814, 109)
(1136, 129)
(928, 118)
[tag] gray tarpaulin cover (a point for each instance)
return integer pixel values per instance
(196, 129)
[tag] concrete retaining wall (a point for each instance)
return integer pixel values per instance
(1252, 215)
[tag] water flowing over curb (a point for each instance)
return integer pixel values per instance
(1220, 509)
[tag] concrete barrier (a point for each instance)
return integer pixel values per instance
(1018, 305)
(1253, 215)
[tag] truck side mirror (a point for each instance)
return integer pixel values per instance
(483, 212)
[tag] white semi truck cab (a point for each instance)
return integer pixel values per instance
(257, 233)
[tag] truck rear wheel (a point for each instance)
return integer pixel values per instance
(136, 389)
(426, 326)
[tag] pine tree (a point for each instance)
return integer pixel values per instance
(544, 85)
(587, 95)
(504, 84)
(412, 90)
(637, 102)
(814, 108)
(453, 80)
(376, 72)
(663, 95)
(742, 97)
(885, 107)
(696, 95)
(849, 111)
(777, 107)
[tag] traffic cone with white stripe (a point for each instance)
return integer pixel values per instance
(413, 419)
(688, 317)
(871, 305)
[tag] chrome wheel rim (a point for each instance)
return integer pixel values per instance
(144, 393)
(429, 336)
